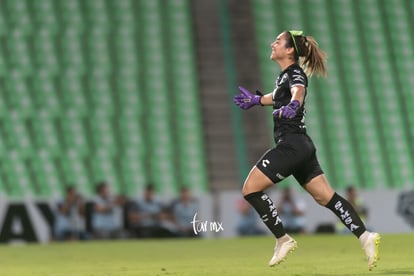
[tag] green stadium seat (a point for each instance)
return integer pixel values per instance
(74, 133)
(128, 94)
(134, 172)
(45, 57)
(3, 103)
(99, 91)
(45, 96)
(72, 52)
(45, 136)
(45, 16)
(123, 15)
(71, 15)
(131, 135)
(46, 177)
(72, 93)
(3, 24)
(18, 138)
(99, 57)
(18, 50)
(97, 15)
(3, 66)
(75, 172)
(17, 177)
(103, 169)
(3, 143)
(126, 57)
(102, 133)
(19, 17)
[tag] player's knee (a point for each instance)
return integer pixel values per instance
(256, 181)
(321, 200)
(249, 187)
(245, 190)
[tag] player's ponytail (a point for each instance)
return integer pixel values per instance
(307, 52)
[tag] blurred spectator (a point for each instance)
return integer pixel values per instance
(352, 197)
(69, 218)
(356, 202)
(183, 211)
(148, 218)
(106, 222)
(292, 212)
(248, 220)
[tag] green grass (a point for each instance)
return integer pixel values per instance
(316, 255)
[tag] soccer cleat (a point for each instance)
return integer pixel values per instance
(370, 246)
(284, 246)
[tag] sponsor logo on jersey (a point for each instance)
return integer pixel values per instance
(298, 79)
(281, 177)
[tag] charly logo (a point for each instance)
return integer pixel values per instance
(202, 226)
(265, 162)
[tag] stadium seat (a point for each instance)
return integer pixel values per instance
(3, 24)
(44, 93)
(99, 92)
(19, 17)
(97, 16)
(103, 168)
(44, 57)
(74, 133)
(46, 182)
(102, 134)
(73, 167)
(16, 175)
(129, 100)
(3, 65)
(16, 131)
(134, 172)
(45, 16)
(19, 55)
(72, 57)
(71, 15)
(44, 134)
(131, 135)
(71, 93)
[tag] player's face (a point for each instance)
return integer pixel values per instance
(278, 47)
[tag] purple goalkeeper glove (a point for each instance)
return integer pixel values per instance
(245, 100)
(287, 111)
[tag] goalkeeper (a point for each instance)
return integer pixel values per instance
(294, 154)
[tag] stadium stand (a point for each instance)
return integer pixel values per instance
(370, 143)
(93, 90)
(90, 92)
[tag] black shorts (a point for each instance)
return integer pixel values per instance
(294, 154)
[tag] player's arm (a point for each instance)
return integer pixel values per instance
(267, 99)
(298, 93)
(289, 111)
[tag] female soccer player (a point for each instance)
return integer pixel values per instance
(295, 153)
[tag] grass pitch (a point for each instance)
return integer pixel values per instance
(316, 255)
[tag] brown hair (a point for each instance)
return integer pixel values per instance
(307, 52)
